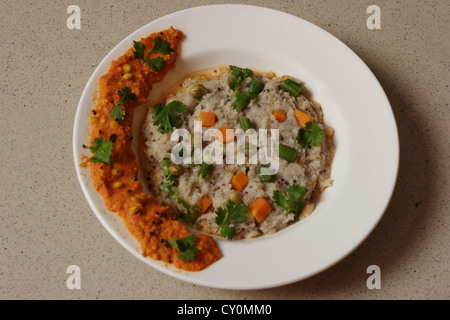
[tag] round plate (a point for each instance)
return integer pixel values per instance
(354, 104)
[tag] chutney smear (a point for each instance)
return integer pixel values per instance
(116, 181)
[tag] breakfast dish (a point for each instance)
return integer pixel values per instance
(364, 164)
(243, 101)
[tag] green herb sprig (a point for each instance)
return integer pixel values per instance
(311, 135)
(159, 46)
(292, 200)
(237, 77)
(185, 247)
(116, 111)
(166, 117)
(231, 212)
(102, 149)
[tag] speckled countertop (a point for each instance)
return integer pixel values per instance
(47, 224)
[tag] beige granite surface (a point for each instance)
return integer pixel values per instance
(47, 224)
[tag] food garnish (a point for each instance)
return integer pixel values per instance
(205, 170)
(311, 135)
(185, 247)
(191, 214)
(291, 86)
(166, 117)
(116, 111)
(165, 187)
(255, 88)
(102, 149)
(292, 200)
(238, 76)
(245, 124)
(231, 212)
(243, 100)
(159, 46)
(287, 153)
(264, 171)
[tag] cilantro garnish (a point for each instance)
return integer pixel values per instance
(165, 187)
(156, 63)
(138, 51)
(165, 116)
(116, 111)
(310, 136)
(238, 76)
(191, 214)
(185, 247)
(159, 46)
(102, 149)
(233, 211)
(165, 167)
(294, 202)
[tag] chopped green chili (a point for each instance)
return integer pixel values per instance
(291, 86)
(287, 153)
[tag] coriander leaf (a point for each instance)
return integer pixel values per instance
(165, 168)
(221, 214)
(231, 212)
(160, 46)
(296, 191)
(189, 216)
(185, 247)
(116, 111)
(156, 64)
(126, 94)
(102, 150)
(293, 202)
(138, 51)
(227, 232)
(165, 187)
(309, 136)
(238, 76)
(165, 116)
(177, 106)
(280, 199)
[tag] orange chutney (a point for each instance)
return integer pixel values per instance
(117, 182)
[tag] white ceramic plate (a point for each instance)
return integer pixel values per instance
(367, 150)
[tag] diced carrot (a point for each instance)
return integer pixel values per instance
(302, 118)
(239, 181)
(208, 119)
(260, 208)
(205, 203)
(225, 136)
(280, 115)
